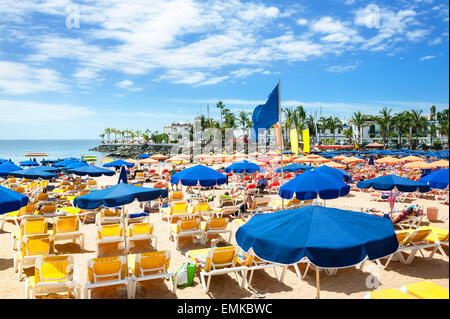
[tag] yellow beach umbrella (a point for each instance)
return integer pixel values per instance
(335, 165)
(350, 160)
(412, 159)
(148, 161)
(159, 156)
(418, 164)
(441, 163)
(388, 160)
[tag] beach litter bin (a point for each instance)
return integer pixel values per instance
(432, 214)
(185, 275)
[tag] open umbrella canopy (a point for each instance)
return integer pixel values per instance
(8, 167)
(75, 165)
(314, 183)
(47, 169)
(11, 201)
(294, 167)
(29, 163)
(34, 173)
(244, 167)
(92, 171)
(336, 172)
(65, 162)
(123, 176)
(437, 179)
(327, 237)
(118, 195)
(389, 182)
(199, 174)
(118, 163)
(143, 156)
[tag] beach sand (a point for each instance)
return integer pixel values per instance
(350, 282)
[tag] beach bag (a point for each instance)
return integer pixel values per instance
(185, 275)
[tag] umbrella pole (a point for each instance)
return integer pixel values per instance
(317, 283)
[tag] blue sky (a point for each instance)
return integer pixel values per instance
(69, 69)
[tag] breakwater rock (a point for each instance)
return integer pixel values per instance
(134, 150)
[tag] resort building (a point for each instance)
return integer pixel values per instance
(177, 131)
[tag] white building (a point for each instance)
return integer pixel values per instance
(176, 131)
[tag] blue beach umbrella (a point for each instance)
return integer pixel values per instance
(92, 171)
(243, 167)
(314, 183)
(8, 167)
(337, 172)
(199, 174)
(389, 182)
(47, 169)
(118, 195)
(75, 165)
(66, 162)
(327, 237)
(437, 179)
(294, 167)
(29, 163)
(143, 156)
(118, 163)
(123, 176)
(34, 173)
(11, 201)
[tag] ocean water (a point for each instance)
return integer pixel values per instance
(16, 149)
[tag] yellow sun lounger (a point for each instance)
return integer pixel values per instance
(109, 234)
(438, 236)
(426, 290)
(68, 227)
(388, 294)
(107, 271)
(149, 266)
(185, 228)
(141, 231)
(218, 261)
(53, 274)
(215, 226)
(32, 247)
(29, 226)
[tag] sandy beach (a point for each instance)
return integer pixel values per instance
(351, 282)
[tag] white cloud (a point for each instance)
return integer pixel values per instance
(417, 35)
(427, 57)
(128, 85)
(35, 112)
(342, 68)
(19, 78)
(302, 21)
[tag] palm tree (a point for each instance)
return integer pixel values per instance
(333, 124)
(433, 124)
(359, 120)
(108, 132)
(419, 122)
(442, 118)
(102, 136)
(138, 134)
(348, 133)
(123, 133)
(243, 118)
(229, 119)
(384, 120)
(300, 117)
(220, 106)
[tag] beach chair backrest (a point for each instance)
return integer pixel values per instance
(30, 208)
(179, 207)
(111, 213)
(53, 268)
(141, 229)
(42, 196)
(33, 226)
(70, 188)
(48, 209)
(152, 262)
(20, 189)
(419, 235)
(107, 269)
(188, 225)
(66, 224)
(402, 237)
(110, 231)
(216, 224)
(92, 182)
(219, 257)
(176, 196)
(262, 201)
(35, 245)
(202, 207)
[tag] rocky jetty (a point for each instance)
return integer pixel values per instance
(133, 150)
